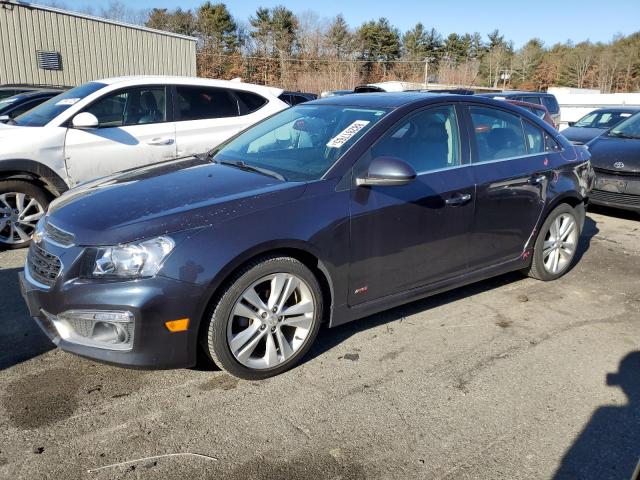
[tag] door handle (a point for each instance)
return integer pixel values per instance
(458, 199)
(537, 180)
(160, 141)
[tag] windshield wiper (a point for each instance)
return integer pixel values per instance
(250, 168)
(623, 135)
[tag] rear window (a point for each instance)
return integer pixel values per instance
(551, 103)
(200, 103)
(250, 102)
(498, 134)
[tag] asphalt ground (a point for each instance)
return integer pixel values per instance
(510, 378)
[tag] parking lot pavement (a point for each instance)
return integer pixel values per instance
(510, 378)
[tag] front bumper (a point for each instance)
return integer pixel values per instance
(617, 191)
(152, 301)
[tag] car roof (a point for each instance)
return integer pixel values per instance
(398, 99)
(380, 99)
(615, 110)
(177, 80)
(508, 93)
(37, 93)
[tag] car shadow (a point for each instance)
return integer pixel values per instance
(329, 339)
(589, 230)
(20, 336)
(614, 212)
(609, 445)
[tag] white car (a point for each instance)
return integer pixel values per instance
(111, 125)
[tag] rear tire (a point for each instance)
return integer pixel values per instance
(266, 319)
(555, 248)
(22, 204)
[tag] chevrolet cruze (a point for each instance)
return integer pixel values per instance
(324, 213)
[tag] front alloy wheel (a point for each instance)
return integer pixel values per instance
(266, 320)
(21, 206)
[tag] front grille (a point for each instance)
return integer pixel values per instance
(57, 235)
(616, 198)
(621, 173)
(43, 266)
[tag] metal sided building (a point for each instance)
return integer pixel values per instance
(48, 46)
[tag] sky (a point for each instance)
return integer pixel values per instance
(551, 21)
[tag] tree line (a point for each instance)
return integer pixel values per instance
(307, 52)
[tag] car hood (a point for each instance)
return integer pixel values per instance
(580, 134)
(616, 154)
(169, 197)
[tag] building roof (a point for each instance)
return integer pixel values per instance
(33, 6)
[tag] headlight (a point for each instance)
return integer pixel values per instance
(140, 259)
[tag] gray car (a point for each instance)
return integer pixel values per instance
(597, 122)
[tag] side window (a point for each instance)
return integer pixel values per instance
(532, 99)
(427, 140)
(534, 137)
(137, 106)
(250, 102)
(498, 134)
(551, 103)
(200, 103)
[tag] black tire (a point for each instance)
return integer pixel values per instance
(537, 269)
(27, 188)
(215, 330)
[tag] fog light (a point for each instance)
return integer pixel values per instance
(95, 328)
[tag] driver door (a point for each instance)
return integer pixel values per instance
(133, 131)
(403, 237)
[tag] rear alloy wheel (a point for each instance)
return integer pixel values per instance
(22, 204)
(556, 245)
(266, 320)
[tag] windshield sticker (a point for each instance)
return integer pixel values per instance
(68, 101)
(625, 114)
(346, 135)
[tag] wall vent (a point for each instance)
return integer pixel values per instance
(49, 60)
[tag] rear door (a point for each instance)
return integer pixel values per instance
(207, 116)
(135, 129)
(511, 172)
(404, 237)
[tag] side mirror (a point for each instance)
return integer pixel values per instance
(85, 120)
(4, 118)
(571, 124)
(387, 171)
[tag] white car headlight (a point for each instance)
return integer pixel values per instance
(139, 259)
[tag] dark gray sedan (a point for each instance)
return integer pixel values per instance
(597, 122)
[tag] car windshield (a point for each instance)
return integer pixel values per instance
(7, 103)
(630, 128)
(300, 143)
(602, 119)
(47, 111)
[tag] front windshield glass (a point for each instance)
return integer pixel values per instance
(303, 142)
(602, 119)
(630, 128)
(47, 111)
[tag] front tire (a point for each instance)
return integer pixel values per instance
(22, 204)
(266, 319)
(556, 245)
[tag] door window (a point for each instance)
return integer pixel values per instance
(427, 140)
(534, 137)
(137, 106)
(201, 103)
(535, 100)
(551, 103)
(250, 102)
(498, 134)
